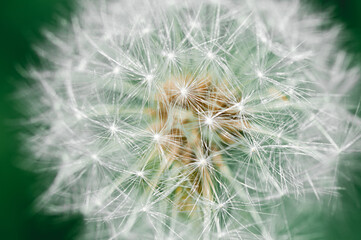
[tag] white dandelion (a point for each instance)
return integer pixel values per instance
(191, 120)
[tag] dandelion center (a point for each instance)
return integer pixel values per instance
(187, 118)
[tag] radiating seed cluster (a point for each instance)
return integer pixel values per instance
(182, 120)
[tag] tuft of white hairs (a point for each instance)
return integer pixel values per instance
(278, 70)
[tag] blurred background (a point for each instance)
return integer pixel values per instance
(20, 24)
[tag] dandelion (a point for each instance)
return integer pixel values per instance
(191, 120)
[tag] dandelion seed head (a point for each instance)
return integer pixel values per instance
(204, 115)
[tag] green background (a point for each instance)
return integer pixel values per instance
(20, 25)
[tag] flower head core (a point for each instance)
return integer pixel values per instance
(196, 118)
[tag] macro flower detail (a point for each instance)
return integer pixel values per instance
(180, 120)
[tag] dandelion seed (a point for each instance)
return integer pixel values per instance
(140, 174)
(171, 56)
(145, 209)
(194, 24)
(95, 157)
(210, 55)
(82, 65)
(240, 107)
(78, 116)
(149, 78)
(156, 137)
(146, 31)
(184, 92)
(260, 74)
(253, 150)
(209, 121)
(113, 129)
(202, 162)
(116, 70)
